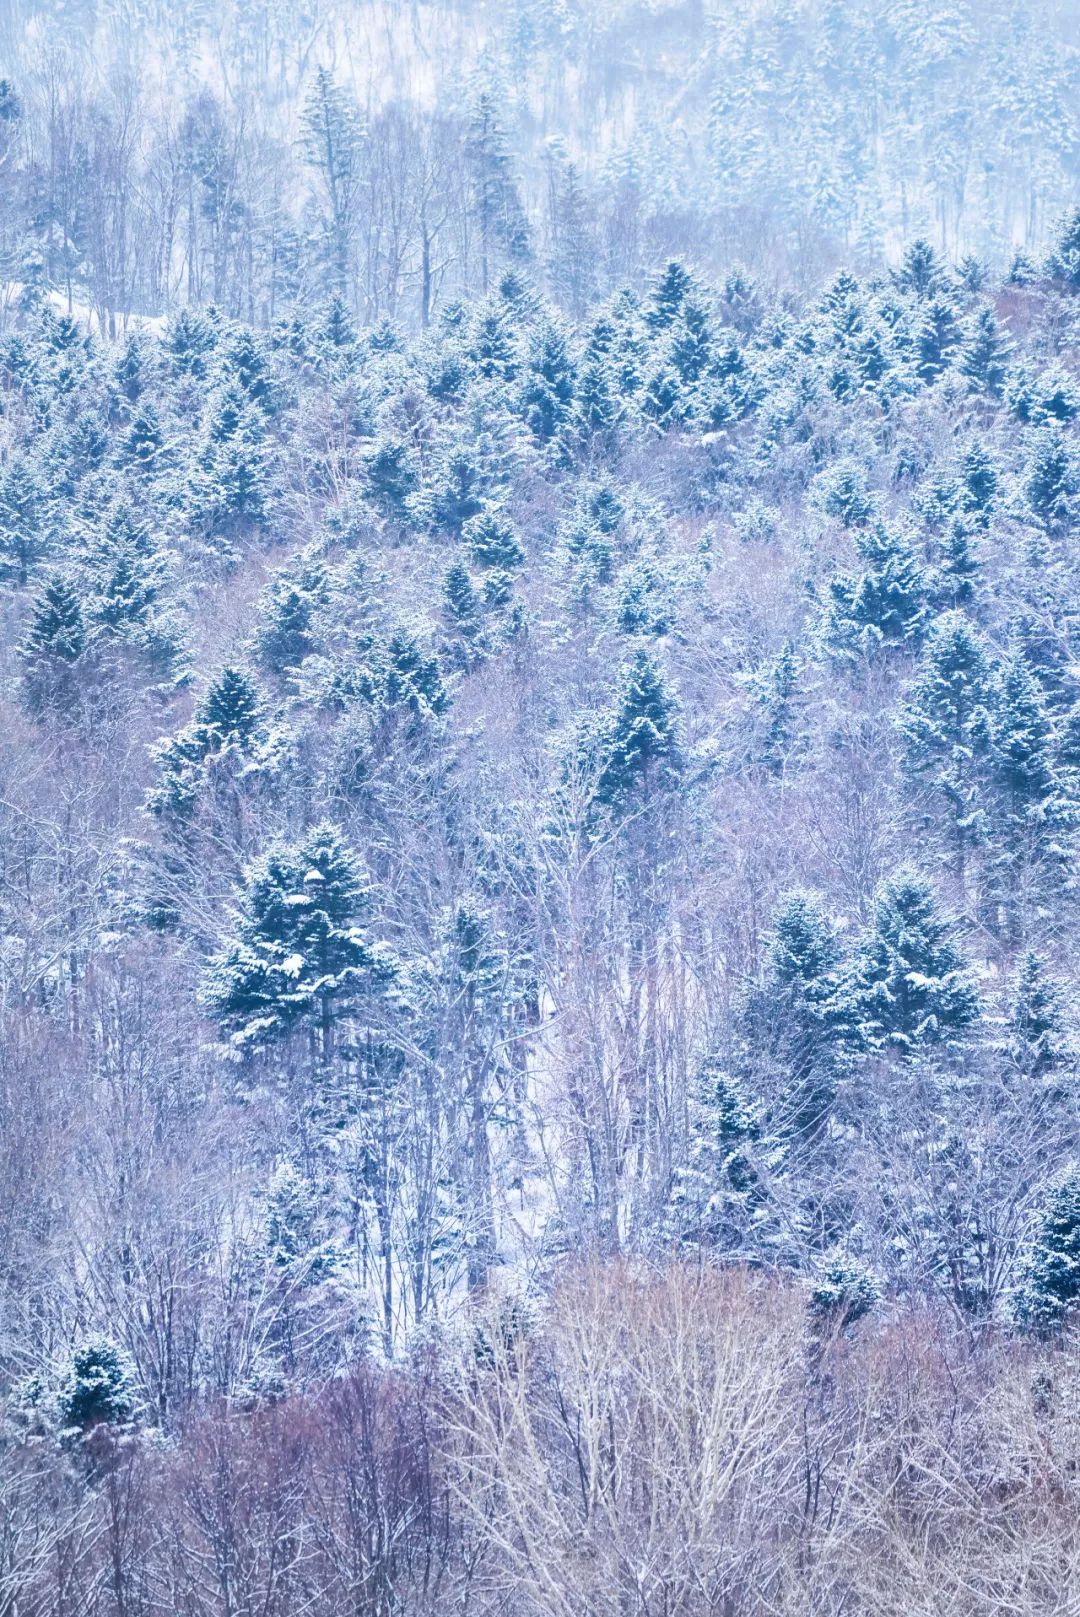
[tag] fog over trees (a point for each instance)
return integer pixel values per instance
(539, 809)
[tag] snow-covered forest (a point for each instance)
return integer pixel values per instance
(539, 808)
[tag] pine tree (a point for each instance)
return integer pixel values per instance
(289, 610)
(145, 440)
(691, 343)
(461, 612)
(937, 336)
(641, 751)
(779, 697)
(493, 346)
(843, 1293)
(1030, 812)
(412, 679)
(1038, 1047)
(228, 717)
(1050, 1290)
(457, 490)
(984, 358)
(1064, 259)
(980, 479)
(300, 958)
(945, 726)
(910, 987)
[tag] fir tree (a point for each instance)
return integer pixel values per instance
(642, 747)
(23, 542)
(794, 1018)
(984, 358)
(300, 957)
(1050, 1290)
(716, 1195)
(920, 272)
(547, 391)
(667, 296)
(1037, 1047)
(493, 541)
(496, 203)
(54, 644)
(945, 726)
(883, 606)
(98, 1388)
(1050, 483)
(937, 336)
(910, 987)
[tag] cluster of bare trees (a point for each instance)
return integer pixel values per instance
(685, 1442)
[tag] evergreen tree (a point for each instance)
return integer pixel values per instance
(779, 699)
(53, 645)
(391, 475)
(716, 1195)
(289, 611)
(496, 203)
(461, 611)
(884, 605)
(493, 541)
(332, 136)
(1038, 1047)
(920, 272)
(641, 751)
(794, 1018)
(1064, 259)
(667, 296)
(984, 358)
(23, 540)
(1050, 483)
(945, 726)
(98, 1388)
(547, 391)
(300, 958)
(910, 987)
(1050, 1290)
(936, 338)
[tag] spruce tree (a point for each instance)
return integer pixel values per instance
(493, 542)
(1037, 1044)
(984, 357)
(641, 751)
(1050, 1290)
(794, 1018)
(97, 1389)
(547, 390)
(23, 540)
(945, 727)
(882, 607)
(1050, 482)
(718, 1191)
(667, 296)
(53, 645)
(910, 988)
(300, 958)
